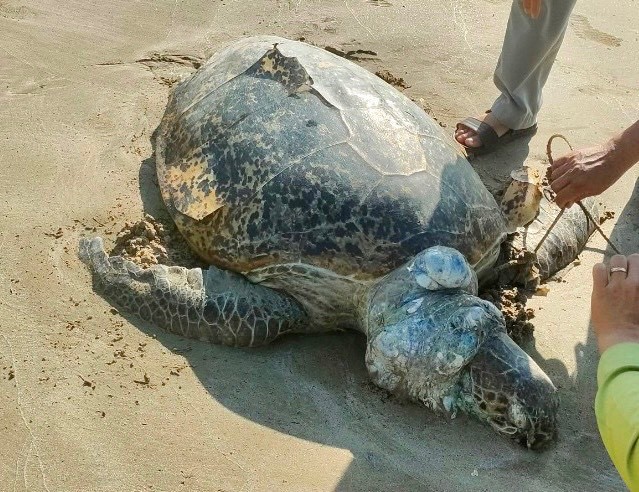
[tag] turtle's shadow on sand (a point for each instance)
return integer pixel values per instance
(625, 236)
(494, 169)
(316, 387)
(579, 389)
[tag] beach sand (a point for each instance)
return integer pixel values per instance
(93, 401)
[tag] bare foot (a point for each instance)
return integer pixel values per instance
(469, 138)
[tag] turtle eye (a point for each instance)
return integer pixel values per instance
(504, 427)
(509, 430)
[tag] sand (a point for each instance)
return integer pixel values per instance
(94, 401)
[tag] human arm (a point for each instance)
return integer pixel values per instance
(617, 408)
(615, 316)
(590, 171)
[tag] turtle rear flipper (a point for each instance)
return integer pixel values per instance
(213, 305)
(567, 238)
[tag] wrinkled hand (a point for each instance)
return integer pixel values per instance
(532, 7)
(615, 302)
(584, 173)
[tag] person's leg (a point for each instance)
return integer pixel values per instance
(528, 53)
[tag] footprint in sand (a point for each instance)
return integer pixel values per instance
(584, 30)
(15, 12)
(379, 3)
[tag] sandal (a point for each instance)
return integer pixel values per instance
(489, 139)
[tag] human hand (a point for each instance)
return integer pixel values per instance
(532, 7)
(615, 301)
(586, 172)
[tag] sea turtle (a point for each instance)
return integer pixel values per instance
(326, 199)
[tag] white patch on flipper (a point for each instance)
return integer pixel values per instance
(413, 306)
(425, 281)
(457, 363)
(448, 402)
(386, 360)
(446, 367)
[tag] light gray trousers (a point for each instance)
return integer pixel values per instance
(529, 51)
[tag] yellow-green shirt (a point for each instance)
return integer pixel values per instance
(617, 408)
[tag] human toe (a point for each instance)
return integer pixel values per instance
(472, 140)
(463, 137)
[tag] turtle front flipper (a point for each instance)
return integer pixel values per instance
(213, 305)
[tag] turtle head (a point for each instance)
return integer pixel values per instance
(503, 386)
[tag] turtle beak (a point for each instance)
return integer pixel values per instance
(511, 392)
